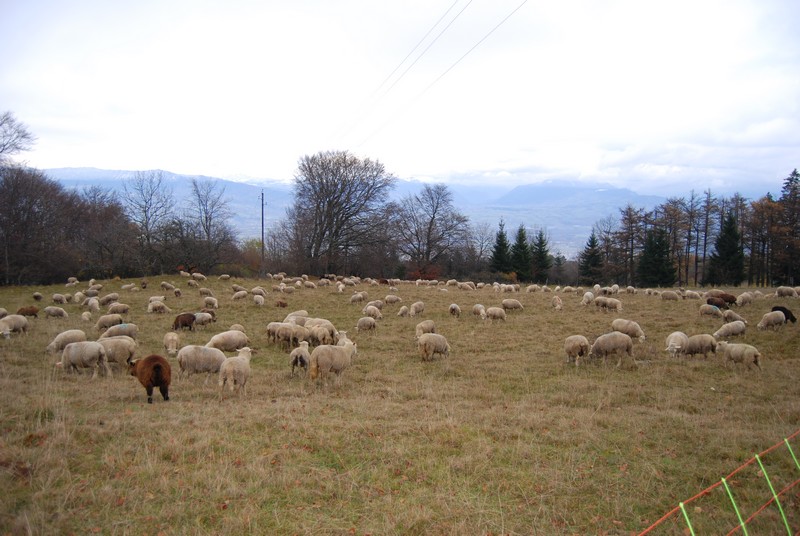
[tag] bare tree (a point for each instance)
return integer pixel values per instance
(149, 205)
(14, 137)
(208, 215)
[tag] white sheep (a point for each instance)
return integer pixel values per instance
(119, 349)
(588, 298)
(745, 298)
(392, 299)
(342, 338)
(785, 292)
(676, 343)
(374, 303)
(109, 298)
(691, 295)
(258, 300)
(454, 310)
(52, 311)
(158, 307)
(711, 310)
(171, 341)
(299, 357)
(510, 304)
(59, 298)
(240, 295)
(86, 316)
(84, 354)
(430, 344)
(228, 341)
(106, 321)
(610, 343)
(202, 319)
(700, 344)
(416, 308)
(374, 312)
(118, 308)
(670, 295)
(153, 299)
(479, 310)
(773, 319)
(426, 326)
(740, 353)
(576, 346)
(613, 304)
(3, 312)
(210, 302)
(195, 359)
(729, 315)
(495, 313)
(366, 324)
(358, 297)
(128, 329)
(327, 358)
(205, 292)
(93, 304)
(557, 303)
(628, 327)
(403, 311)
(63, 339)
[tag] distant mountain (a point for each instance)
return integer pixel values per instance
(567, 211)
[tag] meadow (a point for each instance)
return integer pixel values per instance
(501, 437)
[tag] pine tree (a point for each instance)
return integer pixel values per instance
(590, 262)
(655, 267)
(542, 260)
(726, 265)
(788, 250)
(501, 252)
(521, 255)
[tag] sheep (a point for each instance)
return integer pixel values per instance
(119, 349)
(167, 286)
(197, 276)
(171, 341)
(510, 304)
(495, 313)
(3, 312)
(576, 346)
(194, 359)
(557, 303)
(327, 358)
(127, 329)
(258, 300)
(118, 308)
(785, 292)
(184, 320)
(299, 357)
(416, 308)
(203, 319)
(479, 310)
(13, 324)
(86, 316)
(430, 344)
(205, 292)
(403, 311)
(610, 343)
(392, 299)
(63, 339)
(717, 302)
(745, 298)
(93, 305)
(613, 304)
(731, 329)
(152, 371)
(700, 344)
(358, 297)
(372, 311)
(729, 315)
(786, 313)
(237, 327)
(773, 319)
(52, 311)
(228, 341)
(711, 310)
(109, 298)
(669, 295)
(29, 310)
(342, 338)
(366, 323)
(192, 283)
(240, 295)
(59, 299)
(588, 298)
(153, 299)
(210, 302)
(691, 295)
(676, 343)
(235, 371)
(628, 327)
(426, 326)
(740, 353)
(84, 354)
(158, 307)
(374, 303)
(454, 310)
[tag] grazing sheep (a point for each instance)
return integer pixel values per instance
(158, 307)
(392, 299)
(258, 300)
(745, 298)
(3, 312)
(430, 344)
(237, 327)
(86, 316)
(786, 313)
(52, 311)
(152, 371)
(711, 310)
(717, 302)
(119, 349)
(416, 308)
(59, 299)
(740, 353)
(240, 295)
(106, 321)
(454, 310)
(29, 310)
(700, 344)
(171, 341)
(669, 295)
(372, 311)
(613, 304)
(13, 324)
(366, 324)
(730, 315)
(731, 329)
(327, 358)
(773, 319)
(374, 303)
(118, 308)
(228, 341)
(677, 341)
(785, 292)
(510, 304)
(358, 297)
(299, 357)
(628, 327)
(194, 359)
(691, 295)
(109, 298)
(210, 302)
(426, 326)
(610, 343)
(38, 296)
(203, 291)
(557, 303)
(93, 305)
(203, 319)
(479, 310)
(84, 354)
(342, 339)
(184, 320)
(128, 329)
(153, 299)
(63, 339)
(403, 311)
(235, 371)
(197, 276)
(576, 346)
(588, 298)
(495, 313)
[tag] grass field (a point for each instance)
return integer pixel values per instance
(502, 437)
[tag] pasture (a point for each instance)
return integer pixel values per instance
(501, 437)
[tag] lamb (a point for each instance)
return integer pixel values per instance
(84, 354)
(203, 319)
(194, 359)
(628, 327)
(326, 359)
(366, 323)
(106, 321)
(773, 319)
(29, 310)
(588, 298)
(119, 349)
(235, 371)
(118, 308)
(430, 344)
(677, 341)
(510, 304)
(426, 326)
(730, 315)
(416, 308)
(610, 343)
(711, 310)
(299, 357)
(55, 312)
(372, 311)
(152, 371)
(129, 330)
(171, 341)
(557, 303)
(403, 311)
(184, 320)
(740, 353)
(700, 344)
(13, 324)
(786, 313)
(495, 313)
(342, 338)
(454, 310)
(669, 295)
(731, 329)
(576, 346)
(228, 341)
(63, 339)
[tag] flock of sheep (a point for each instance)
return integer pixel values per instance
(316, 346)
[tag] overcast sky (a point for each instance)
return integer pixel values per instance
(662, 97)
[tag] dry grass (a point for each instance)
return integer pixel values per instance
(502, 437)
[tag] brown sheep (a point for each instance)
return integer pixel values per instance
(152, 371)
(183, 320)
(717, 302)
(29, 310)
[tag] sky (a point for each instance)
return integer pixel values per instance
(659, 97)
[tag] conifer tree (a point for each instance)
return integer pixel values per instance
(501, 252)
(542, 260)
(726, 265)
(521, 255)
(590, 262)
(655, 267)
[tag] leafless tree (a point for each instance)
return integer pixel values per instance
(149, 205)
(14, 137)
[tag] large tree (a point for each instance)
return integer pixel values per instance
(726, 264)
(521, 257)
(208, 213)
(501, 252)
(788, 254)
(542, 260)
(590, 262)
(14, 137)
(149, 204)
(338, 198)
(655, 268)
